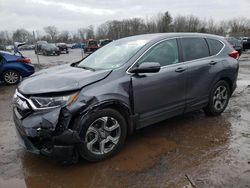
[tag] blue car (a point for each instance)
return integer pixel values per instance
(77, 45)
(13, 67)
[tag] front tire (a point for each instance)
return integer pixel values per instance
(11, 77)
(218, 99)
(103, 134)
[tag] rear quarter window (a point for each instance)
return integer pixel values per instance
(215, 46)
(194, 48)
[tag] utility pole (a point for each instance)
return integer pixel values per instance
(37, 56)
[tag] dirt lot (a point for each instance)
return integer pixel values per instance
(189, 150)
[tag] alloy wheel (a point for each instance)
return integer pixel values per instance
(103, 135)
(11, 77)
(220, 97)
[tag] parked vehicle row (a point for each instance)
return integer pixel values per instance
(27, 47)
(45, 48)
(90, 42)
(91, 46)
(77, 45)
(104, 42)
(236, 44)
(246, 43)
(62, 47)
(92, 105)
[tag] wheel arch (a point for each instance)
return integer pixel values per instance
(10, 69)
(117, 105)
(225, 78)
(230, 83)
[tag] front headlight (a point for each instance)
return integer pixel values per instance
(52, 102)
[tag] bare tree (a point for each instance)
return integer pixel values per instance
(5, 38)
(164, 22)
(82, 33)
(239, 26)
(22, 35)
(150, 25)
(90, 32)
(63, 36)
(102, 31)
(115, 29)
(52, 31)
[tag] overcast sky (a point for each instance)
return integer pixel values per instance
(73, 14)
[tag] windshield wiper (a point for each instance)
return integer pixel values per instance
(87, 68)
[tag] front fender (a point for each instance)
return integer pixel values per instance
(120, 106)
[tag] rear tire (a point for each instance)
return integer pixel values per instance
(11, 77)
(103, 134)
(218, 99)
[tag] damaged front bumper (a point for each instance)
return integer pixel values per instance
(44, 132)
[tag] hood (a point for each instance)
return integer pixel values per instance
(59, 79)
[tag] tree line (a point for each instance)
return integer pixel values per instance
(114, 29)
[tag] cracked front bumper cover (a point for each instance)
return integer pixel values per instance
(37, 134)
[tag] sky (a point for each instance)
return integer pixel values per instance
(73, 14)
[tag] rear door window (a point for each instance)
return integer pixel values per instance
(215, 46)
(164, 53)
(194, 48)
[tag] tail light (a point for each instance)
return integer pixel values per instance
(234, 54)
(24, 60)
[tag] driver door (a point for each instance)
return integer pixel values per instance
(158, 96)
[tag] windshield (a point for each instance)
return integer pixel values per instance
(113, 55)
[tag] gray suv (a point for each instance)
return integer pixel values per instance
(89, 107)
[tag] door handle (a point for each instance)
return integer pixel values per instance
(180, 69)
(212, 62)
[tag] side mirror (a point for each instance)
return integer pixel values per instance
(147, 67)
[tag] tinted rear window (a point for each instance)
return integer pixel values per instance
(194, 48)
(92, 43)
(215, 46)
